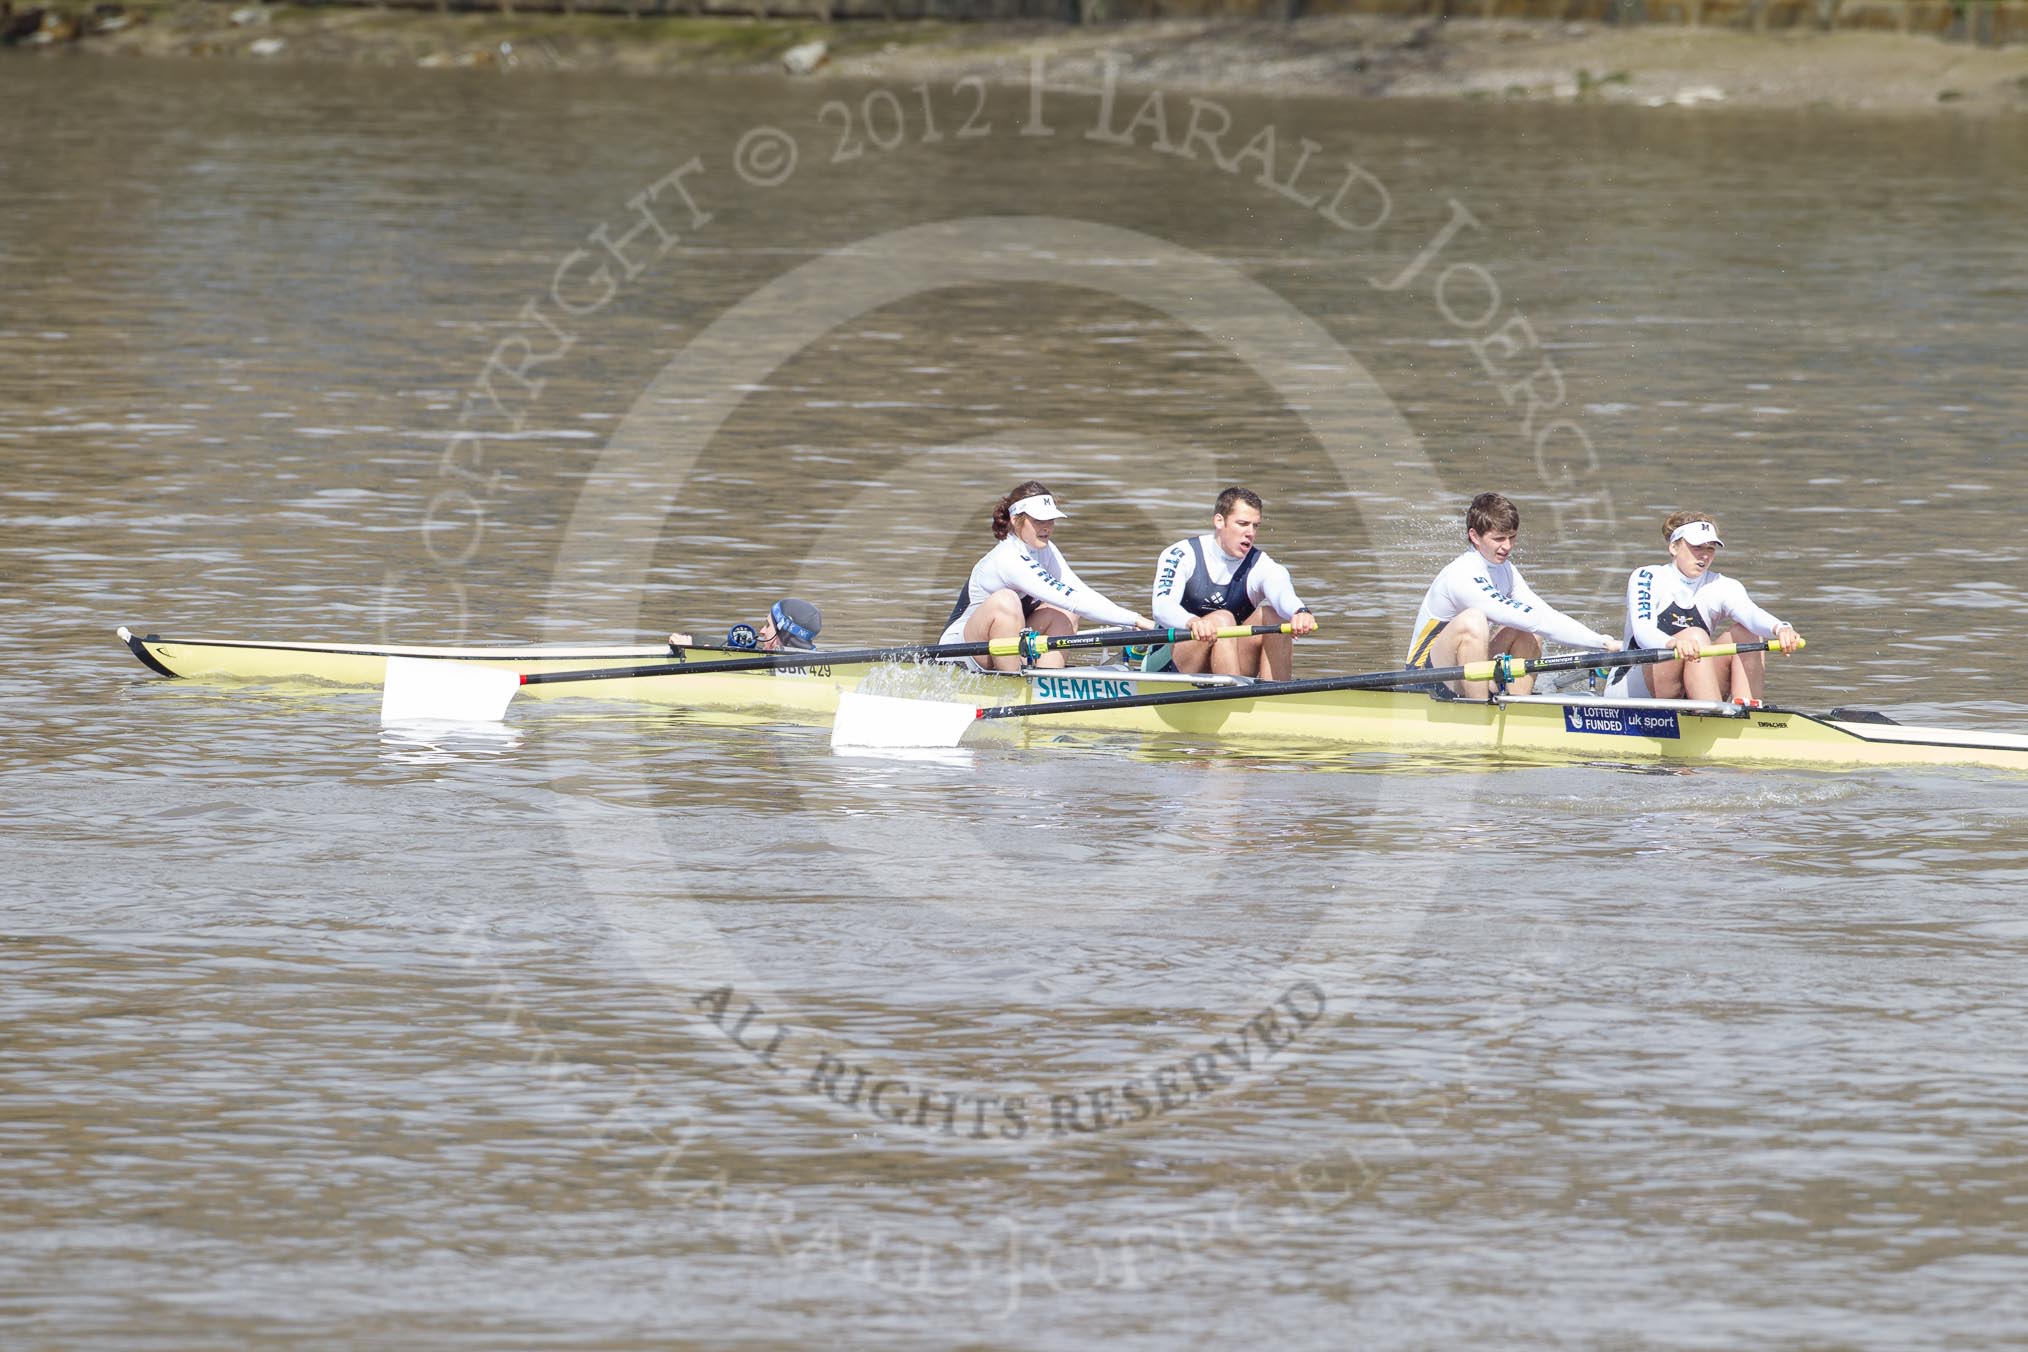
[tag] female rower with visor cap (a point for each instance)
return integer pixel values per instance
(790, 624)
(1025, 583)
(1686, 604)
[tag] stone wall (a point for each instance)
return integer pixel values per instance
(1976, 20)
(1985, 21)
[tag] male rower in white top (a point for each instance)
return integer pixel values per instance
(1686, 604)
(1025, 583)
(1481, 607)
(1221, 580)
(790, 624)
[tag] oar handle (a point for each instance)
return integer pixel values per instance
(1029, 645)
(1505, 668)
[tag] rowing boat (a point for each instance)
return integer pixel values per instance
(1566, 726)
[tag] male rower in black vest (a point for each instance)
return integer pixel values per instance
(1220, 581)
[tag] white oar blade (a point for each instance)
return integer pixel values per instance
(419, 689)
(884, 721)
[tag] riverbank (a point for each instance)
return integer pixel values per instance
(1354, 56)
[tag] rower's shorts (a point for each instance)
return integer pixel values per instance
(954, 632)
(1420, 657)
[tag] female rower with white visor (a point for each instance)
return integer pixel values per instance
(1686, 604)
(1024, 583)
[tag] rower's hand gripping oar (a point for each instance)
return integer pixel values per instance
(435, 689)
(886, 721)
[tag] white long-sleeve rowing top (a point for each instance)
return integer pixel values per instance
(1039, 575)
(1661, 601)
(1468, 582)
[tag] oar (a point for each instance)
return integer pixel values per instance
(464, 692)
(892, 721)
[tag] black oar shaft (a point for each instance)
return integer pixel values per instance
(1376, 680)
(914, 652)
(1372, 681)
(758, 662)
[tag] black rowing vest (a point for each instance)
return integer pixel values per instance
(1201, 597)
(1677, 618)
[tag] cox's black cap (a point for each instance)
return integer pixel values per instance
(798, 622)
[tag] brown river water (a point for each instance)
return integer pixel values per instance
(621, 1028)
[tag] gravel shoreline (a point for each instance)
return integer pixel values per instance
(1361, 56)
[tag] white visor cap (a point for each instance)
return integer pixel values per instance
(1041, 506)
(1696, 533)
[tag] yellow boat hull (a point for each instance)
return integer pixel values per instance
(1378, 720)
